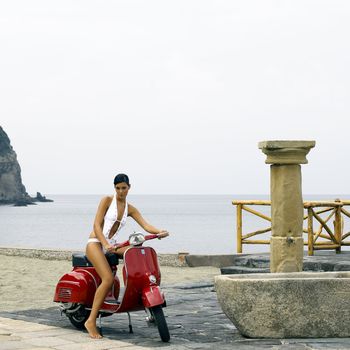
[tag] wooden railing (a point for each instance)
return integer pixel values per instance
(319, 233)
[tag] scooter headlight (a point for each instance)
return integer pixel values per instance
(152, 279)
(136, 238)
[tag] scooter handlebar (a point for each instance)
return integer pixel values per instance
(147, 238)
(160, 235)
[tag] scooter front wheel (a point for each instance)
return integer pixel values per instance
(157, 312)
(79, 317)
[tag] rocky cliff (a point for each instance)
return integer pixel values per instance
(12, 189)
(11, 186)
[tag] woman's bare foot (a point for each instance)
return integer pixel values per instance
(91, 328)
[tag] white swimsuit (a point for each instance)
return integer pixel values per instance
(109, 220)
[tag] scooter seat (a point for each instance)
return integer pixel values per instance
(80, 259)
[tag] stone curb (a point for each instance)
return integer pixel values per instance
(176, 260)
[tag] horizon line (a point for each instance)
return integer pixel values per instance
(191, 194)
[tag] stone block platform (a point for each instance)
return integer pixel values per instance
(322, 261)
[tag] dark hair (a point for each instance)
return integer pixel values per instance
(121, 178)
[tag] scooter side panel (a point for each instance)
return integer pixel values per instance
(75, 287)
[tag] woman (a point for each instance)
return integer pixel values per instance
(110, 218)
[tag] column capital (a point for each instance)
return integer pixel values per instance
(286, 152)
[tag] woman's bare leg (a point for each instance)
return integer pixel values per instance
(96, 255)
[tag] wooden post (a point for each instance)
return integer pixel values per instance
(239, 228)
(310, 231)
(338, 228)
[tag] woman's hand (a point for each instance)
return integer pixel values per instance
(163, 234)
(109, 248)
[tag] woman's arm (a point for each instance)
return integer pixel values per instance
(136, 215)
(99, 220)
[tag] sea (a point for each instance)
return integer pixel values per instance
(198, 224)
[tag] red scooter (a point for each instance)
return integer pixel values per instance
(75, 290)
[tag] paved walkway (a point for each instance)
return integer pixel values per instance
(194, 318)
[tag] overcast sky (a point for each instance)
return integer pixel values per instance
(177, 94)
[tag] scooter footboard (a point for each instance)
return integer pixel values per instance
(152, 296)
(73, 287)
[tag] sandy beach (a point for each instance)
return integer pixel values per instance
(28, 283)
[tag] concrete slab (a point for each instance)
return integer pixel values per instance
(48, 341)
(47, 333)
(209, 260)
(95, 345)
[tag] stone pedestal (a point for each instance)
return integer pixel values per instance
(285, 158)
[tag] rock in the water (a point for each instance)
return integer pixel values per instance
(23, 203)
(40, 198)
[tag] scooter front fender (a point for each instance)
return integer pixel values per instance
(152, 296)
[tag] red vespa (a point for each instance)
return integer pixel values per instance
(75, 290)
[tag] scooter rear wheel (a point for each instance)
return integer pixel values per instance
(157, 312)
(79, 317)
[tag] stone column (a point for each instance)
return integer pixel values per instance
(286, 246)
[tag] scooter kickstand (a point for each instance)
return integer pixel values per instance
(130, 325)
(100, 323)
